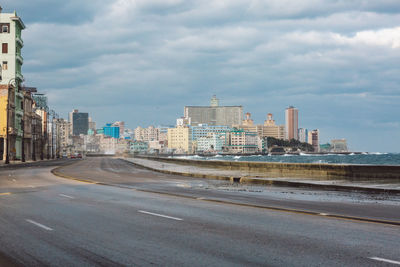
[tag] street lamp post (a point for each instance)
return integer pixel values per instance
(10, 83)
(33, 138)
(23, 143)
(52, 113)
(47, 134)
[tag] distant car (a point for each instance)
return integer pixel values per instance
(72, 157)
(79, 156)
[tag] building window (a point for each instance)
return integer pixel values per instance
(5, 65)
(4, 28)
(4, 48)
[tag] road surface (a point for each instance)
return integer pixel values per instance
(136, 217)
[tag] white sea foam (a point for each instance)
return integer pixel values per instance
(377, 153)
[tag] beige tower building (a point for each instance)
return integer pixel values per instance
(292, 123)
(180, 139)
(269, 129)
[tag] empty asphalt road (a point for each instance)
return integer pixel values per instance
(126, 216)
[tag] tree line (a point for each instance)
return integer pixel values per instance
(293, 144)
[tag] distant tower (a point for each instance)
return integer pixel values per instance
(79, 121)
(214, 101)
(269, 121)
(292, 123)
(248, 121)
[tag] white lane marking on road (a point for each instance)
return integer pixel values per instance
(385, 260)
(39, 225)
(160, 215)
(62, 195)
(183, 185)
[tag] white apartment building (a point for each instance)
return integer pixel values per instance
(147, 134)
(211, 143)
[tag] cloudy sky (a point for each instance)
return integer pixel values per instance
(142, 61)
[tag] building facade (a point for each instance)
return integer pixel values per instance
(211, 143)
(214, 114)
(11, 94)
(204, 130)
(241, 142)
(65, 137)
(313, 139)
(269, 129)
(139, 147)
(303, 135)
(292, 123)
(111, 131)
(147, 134)
(79, 122)
(180, 139)
(339, 145)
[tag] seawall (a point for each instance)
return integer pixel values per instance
(320, 171)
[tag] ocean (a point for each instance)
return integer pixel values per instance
(365, 158)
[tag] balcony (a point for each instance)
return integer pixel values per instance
(19, 41)
(19, 76)
(20, 59)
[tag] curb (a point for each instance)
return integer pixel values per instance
(258, 181)
(26, 164)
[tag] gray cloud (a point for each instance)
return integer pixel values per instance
(142, 61)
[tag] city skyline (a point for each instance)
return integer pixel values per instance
(336, 63)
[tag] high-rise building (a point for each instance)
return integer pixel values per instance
(65, 140)
(214, 114)
(79, 122)
(292, 123)
(92, 124)
(11, 78)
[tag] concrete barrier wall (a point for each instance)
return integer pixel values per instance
(299, 170)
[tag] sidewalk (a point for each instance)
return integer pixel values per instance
(18, 163)
(245, 177)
